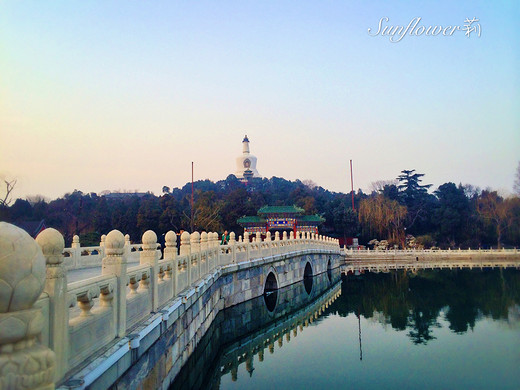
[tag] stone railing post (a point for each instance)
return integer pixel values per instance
(195, 249)
(170, 253)
(128, 249)
(204, 269)
(52, 243)
(248, 249)
(115, 263)
(185, 244)
(203, 241)
(185, 252)
(102, 245)
(277, 245)
(150, 256)
(270, 243)
(170, 250)
(24, 362)
(76, 253)
(216, 247)
(232, 243)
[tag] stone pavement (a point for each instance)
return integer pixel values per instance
(75, 275)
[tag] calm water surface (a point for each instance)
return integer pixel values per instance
(435, 329)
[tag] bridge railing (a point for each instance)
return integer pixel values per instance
(80, 257)
(84, 317)
(375, 252)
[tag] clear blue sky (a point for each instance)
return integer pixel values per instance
(124, 95)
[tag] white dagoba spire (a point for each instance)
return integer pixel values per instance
(245, 145)
(246, 164)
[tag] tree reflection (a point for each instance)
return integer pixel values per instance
(415, 301)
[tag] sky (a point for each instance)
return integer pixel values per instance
(124, 95)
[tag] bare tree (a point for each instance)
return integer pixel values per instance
(496, 210)
(33, 199)
(309, 184)
(9, 187)
(379, 185)
(383, 216)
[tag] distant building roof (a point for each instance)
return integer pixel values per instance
(251, 219)
(121, 195)
(281, 217)
(280, 210)
(32, 227)
(311, 218)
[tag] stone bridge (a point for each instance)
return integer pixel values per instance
(243, 331)
(386, 260)
(88, 333)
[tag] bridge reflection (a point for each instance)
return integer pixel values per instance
(416, 263)
(254, 327)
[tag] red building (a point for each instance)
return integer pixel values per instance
(272, 218)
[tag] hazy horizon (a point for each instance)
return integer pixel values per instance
(106, 96)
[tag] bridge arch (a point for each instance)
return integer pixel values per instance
(271, 290)
(307, 273)
(271, 281)
(308, 277)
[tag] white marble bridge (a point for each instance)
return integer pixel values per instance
(122, 298)
(386, 260)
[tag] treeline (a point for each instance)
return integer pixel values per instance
(451, 216)
(405, 214)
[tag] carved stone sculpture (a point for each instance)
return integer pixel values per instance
(24, 362)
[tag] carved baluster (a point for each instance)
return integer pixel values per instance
(145, 281)
(168, 272)
(133, 284)
(161, 274)
(106, 295)
(85, 301)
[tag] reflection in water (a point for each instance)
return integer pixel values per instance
(249, 329)
(270, 299)
(307, 278)
(414, 301)
(307, 283)
(431, 329)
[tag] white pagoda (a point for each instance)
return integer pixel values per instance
(246, 163)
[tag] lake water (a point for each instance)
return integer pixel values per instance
(434, 329)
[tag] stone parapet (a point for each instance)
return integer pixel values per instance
(86, 321)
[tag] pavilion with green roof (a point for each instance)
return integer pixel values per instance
(281, 218)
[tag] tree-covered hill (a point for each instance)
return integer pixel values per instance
(450, 216)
